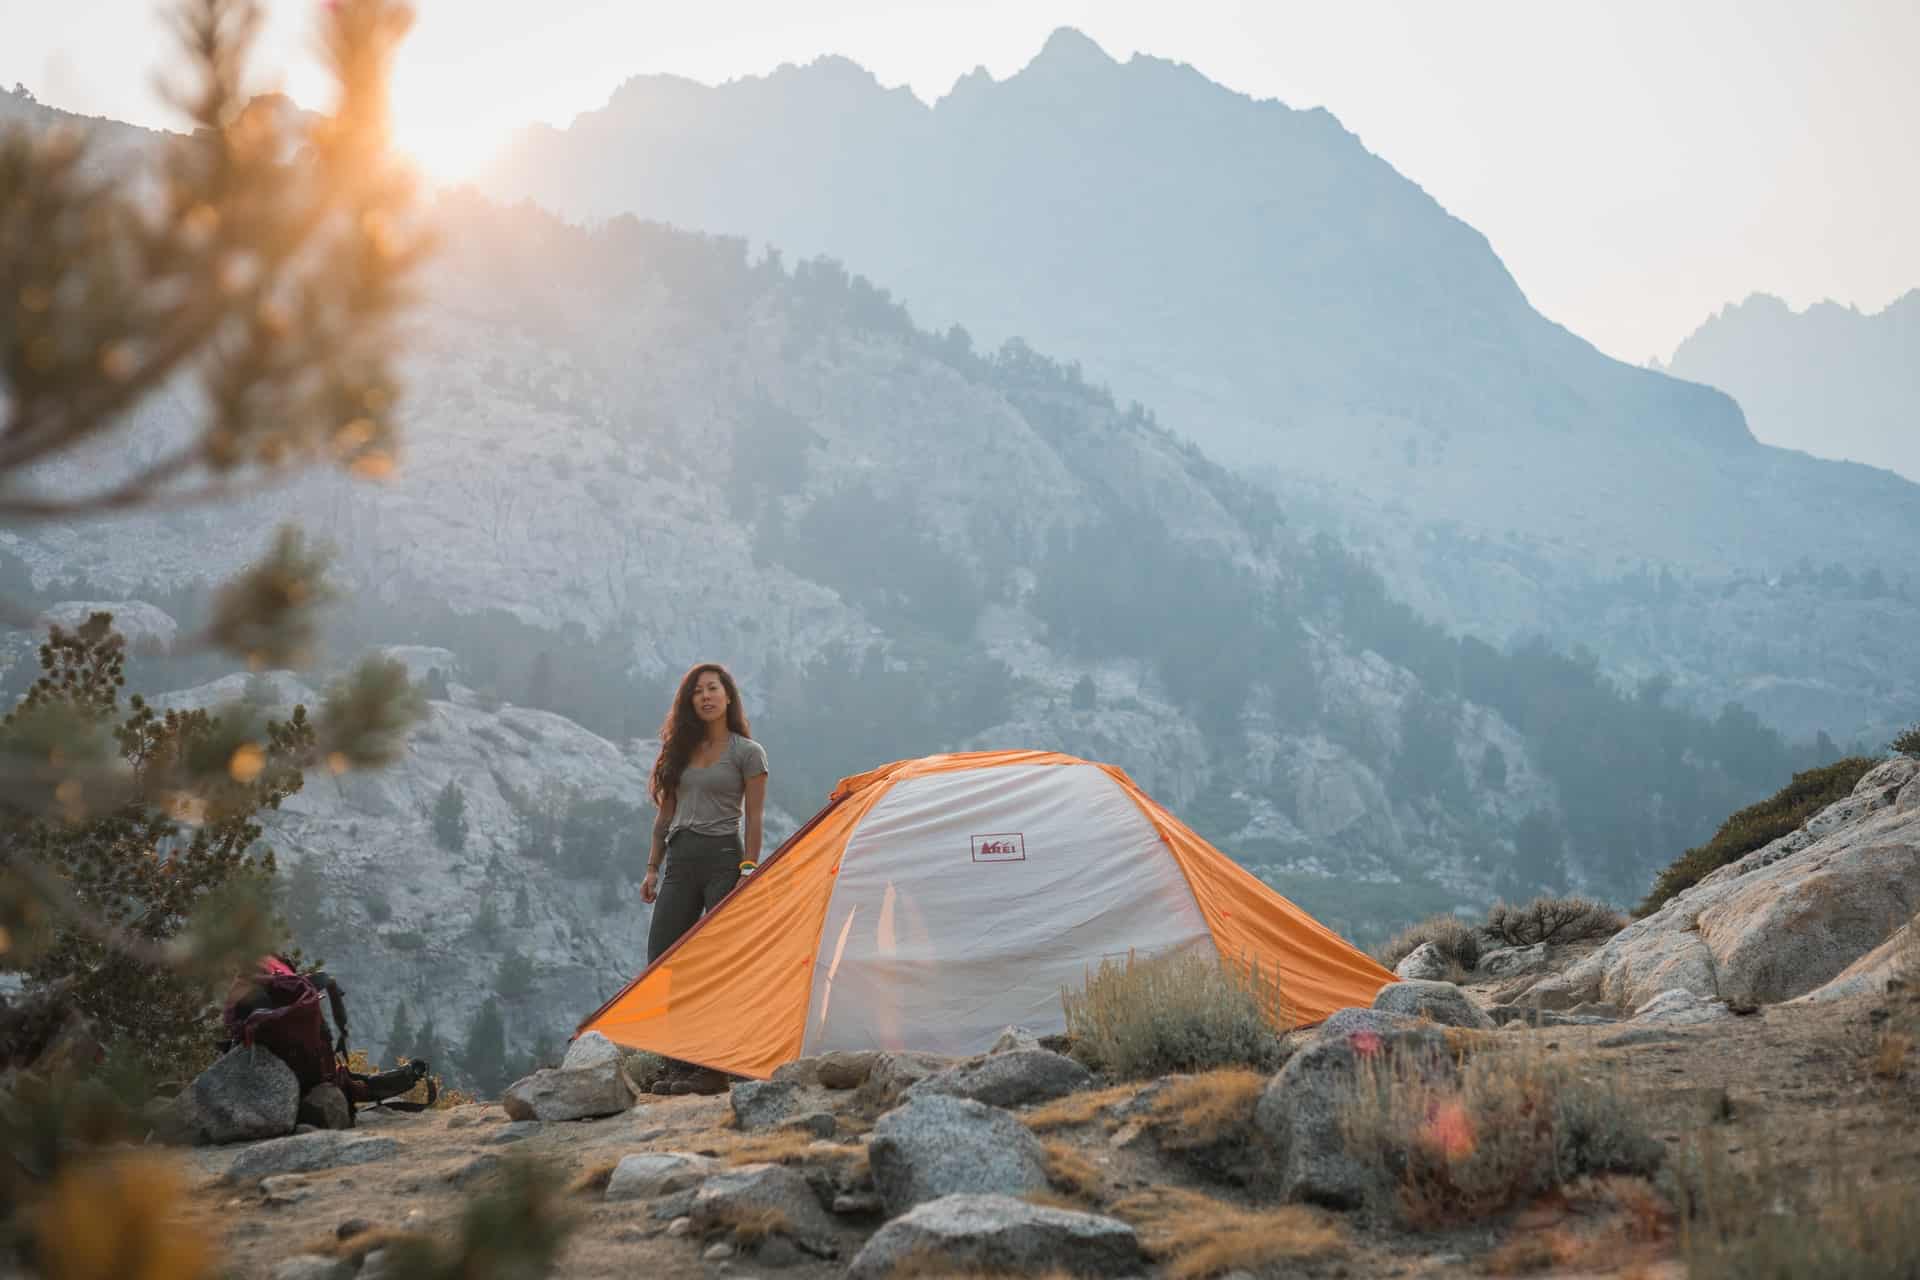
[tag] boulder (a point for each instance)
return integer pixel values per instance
(1440, 1002)
(1425, 963)
(1013, 1078)
(559, 1094)
(1351, 1021)
(647, 1174)
(725, 1197)
(325, 1107)
(937, 1145)
(1680, 1008)
(1780, 922)
(590, 1050)
(1511, 962)
(1869, 975)
(998, 1234)
(247, 1095)
(1014, 1038)
(306, 1152)
(846, 1068)
(761, 1104)
(1522, 1016)
(892, 1074)
(1299, 1112)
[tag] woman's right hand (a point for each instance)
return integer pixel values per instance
(650, 887)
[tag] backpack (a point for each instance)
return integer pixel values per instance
(277, 1008)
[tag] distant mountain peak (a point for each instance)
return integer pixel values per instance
(1070, 49)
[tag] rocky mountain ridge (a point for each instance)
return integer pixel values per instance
(1287, 299)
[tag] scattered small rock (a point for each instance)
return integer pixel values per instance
(352, 1227)
(590, 1050)
(937, 1145)
(585, 1094)
(784, 1190)
(247, 1095)
(891, 1074)
(1002, 1234)
(473, 1170)
(325, 1107)
(1440, 1002)
(1641, 1035)
(1511, 962)
(515, 1132)
(821, 1124)
(303, 1153)
(1014, 1038)
(647, 1174)
(761, 1104)
(717, 1252)
(308, 1266)
(1425, 963)
(1014, 1078)
(778, 1251)
(853, 1203)
(680, 1227)
(1680, 1008)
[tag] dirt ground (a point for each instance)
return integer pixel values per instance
(1789, 1093)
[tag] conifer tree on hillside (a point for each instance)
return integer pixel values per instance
(450, 818)
(484, 1057)
(522, 908)
(400, 1033)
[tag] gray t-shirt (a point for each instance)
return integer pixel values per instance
(708, 801)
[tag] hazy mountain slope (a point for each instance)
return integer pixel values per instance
(1286, 298)
(632, 448)
(1829, 380)
(1249, 270)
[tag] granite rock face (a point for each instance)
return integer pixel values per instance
(936, 1145)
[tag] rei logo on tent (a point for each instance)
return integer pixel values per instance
(1006, 847)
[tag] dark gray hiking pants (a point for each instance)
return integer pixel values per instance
(699, 871)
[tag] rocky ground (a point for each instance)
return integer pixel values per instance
(1767, 1080)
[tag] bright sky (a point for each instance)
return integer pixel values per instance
(1636, 163)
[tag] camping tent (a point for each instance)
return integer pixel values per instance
(934, 902)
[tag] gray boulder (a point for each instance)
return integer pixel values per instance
(1299, 1112)
(1511, 962)
(937, 1145)
(1014, 1038)
(1424, 963)
(590, 1050)
(584, 1094)
(761, 1104)
(1344, 1023)
(725, 1197)
(1440, 1002)
(306, 1152)
(999, 1234)
(325, 1107)
(891, 1074)
(1521, 1016)
(647, 1174)
(1869, 975)
(1680, 1008)
(247, 1095)
(846, 1068)
(1014, 1078)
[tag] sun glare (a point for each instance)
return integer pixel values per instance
(438, 129)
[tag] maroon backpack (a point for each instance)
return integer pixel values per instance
(278, 1008)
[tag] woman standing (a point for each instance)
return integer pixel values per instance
(710, 775)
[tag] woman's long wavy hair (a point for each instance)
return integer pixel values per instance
(682, 731)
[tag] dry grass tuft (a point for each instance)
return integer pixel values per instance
(1197, 1236)
(593, 1180)
(1077, 1109)
(787, 1146)
(1462, 1145)
(1206, 1109)
(1179, 1012)
(355, 1248)
(1890, 1054)
(1072, 1172)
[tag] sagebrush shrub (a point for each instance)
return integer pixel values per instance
(1453, 937)
(1550, 919)
(1506, 1127)
(1181, 1012)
